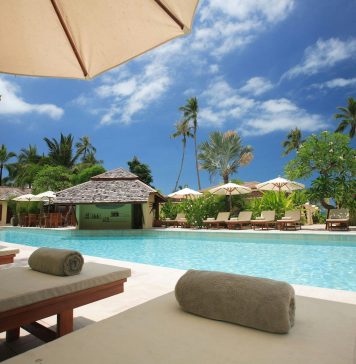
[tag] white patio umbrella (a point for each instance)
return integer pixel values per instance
(25, 198)
(28, 197)
(185, 193)
(280, 184)
(81, 38)
(49, 196)
(230, 189)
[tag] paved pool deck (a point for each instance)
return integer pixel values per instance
(147, 282)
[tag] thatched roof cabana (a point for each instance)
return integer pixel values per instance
(10, 192)
(115, 186)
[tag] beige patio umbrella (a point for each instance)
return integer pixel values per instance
(83, 38)
(185, 193)
(230, 189)
(280, 184)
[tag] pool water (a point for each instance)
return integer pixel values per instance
(316, 260)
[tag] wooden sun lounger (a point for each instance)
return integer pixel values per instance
(243, 219)
(291, 220)
(218, 222)
(27, 296)
(7, 255)
(267, 220)
(339, 219)
(159, 332)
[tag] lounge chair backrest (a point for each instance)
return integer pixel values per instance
(293, 214)
(223, 216)
(339, 214)
(245, 215)
(180, 216)
(268, 215)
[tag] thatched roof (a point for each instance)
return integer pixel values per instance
(116, 186)
(9, 192)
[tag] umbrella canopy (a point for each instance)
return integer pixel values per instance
(28, 197)
(48, 195)
(185, 193)
(81, 38)
(230, 189)
(280, 184)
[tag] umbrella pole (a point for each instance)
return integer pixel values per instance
(230, 202)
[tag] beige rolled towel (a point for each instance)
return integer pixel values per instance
(59, 262)
(260, 303)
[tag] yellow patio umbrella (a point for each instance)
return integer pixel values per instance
(83, 38)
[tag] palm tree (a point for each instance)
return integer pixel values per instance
(61, 152)
(91, 160)
(348, 116)
(190, 111)
(293, 141)
(84, 147)
(28, 164)
(223, 154)
(28, 155)
(184, 130)
(5, 156)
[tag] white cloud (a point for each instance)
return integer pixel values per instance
(225, 104)
(271, 10)
(322, 55)
(336, 83)
(214, 68)
(134, 94)
(257, 86)
(13, 104)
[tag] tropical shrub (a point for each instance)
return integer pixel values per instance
(196, 210)
(169, 210)
(272, 200)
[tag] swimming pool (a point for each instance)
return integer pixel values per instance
(316, 260)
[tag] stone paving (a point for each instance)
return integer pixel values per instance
(147, 282)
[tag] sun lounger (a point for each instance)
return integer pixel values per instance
(180, 220)
(27, 296)
(339, 219)
(244, 218)
(218, 222)
(7, 255)
(291, 220)
(159, 332)
(266, 220)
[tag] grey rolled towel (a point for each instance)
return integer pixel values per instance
(260, 303)
(59, 262)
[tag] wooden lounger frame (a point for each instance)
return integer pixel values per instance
(7, 259)
(62, 306)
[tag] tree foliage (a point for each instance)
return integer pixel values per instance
(52, 178)
(142, 170)
(85, 174)
(293, 141)
(5, 156)
(328, 158)
(348, 117)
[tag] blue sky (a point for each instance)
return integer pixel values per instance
(260, 67)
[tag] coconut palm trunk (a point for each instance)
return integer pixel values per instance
(196, 158)
(181, 164)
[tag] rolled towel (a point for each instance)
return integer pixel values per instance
(260, 303)
(58, 262)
